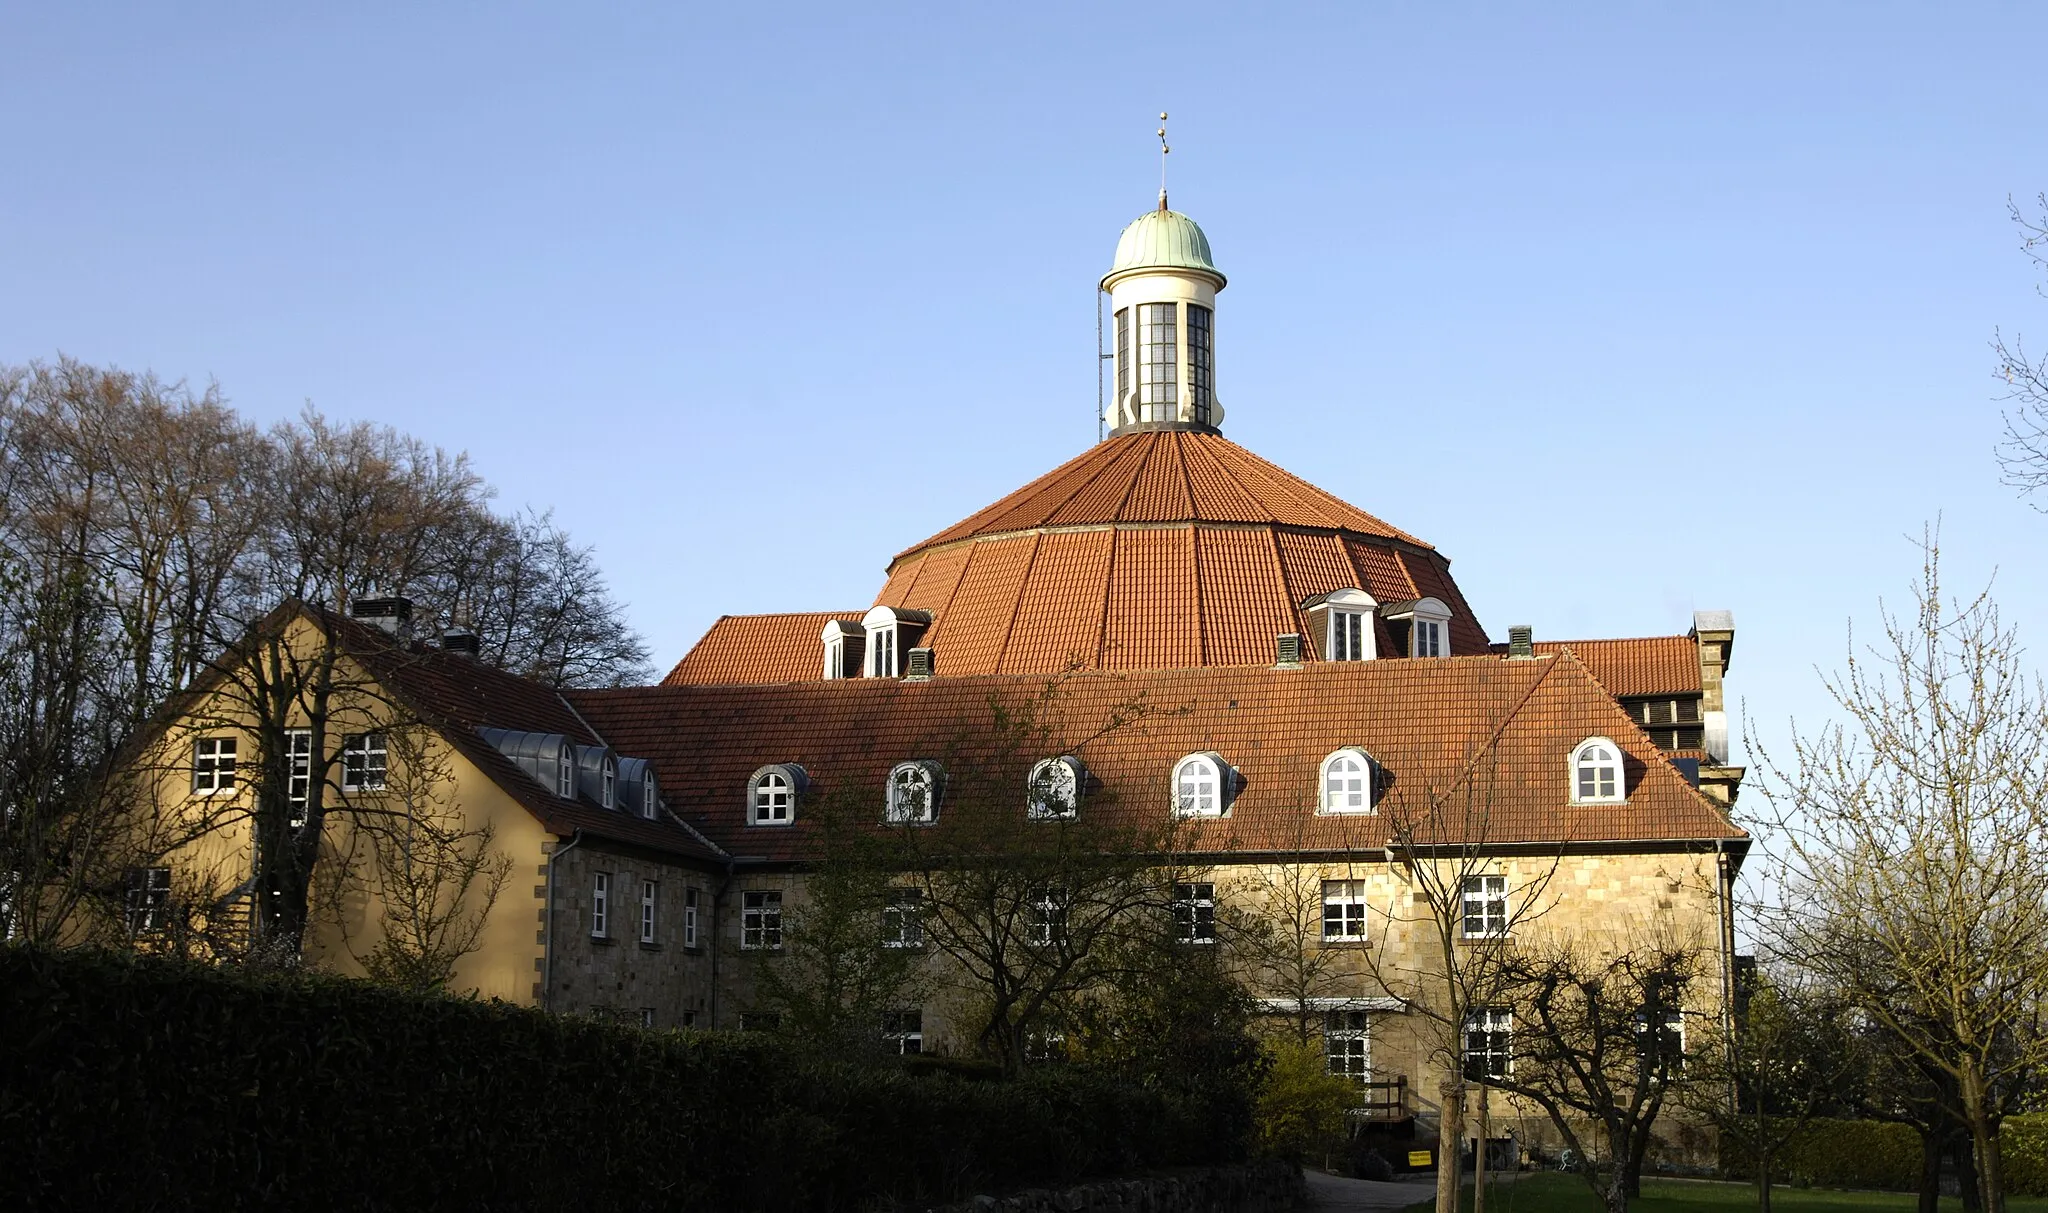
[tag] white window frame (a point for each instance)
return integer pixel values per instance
(1347, 1045)
(1045, 922)
(649, 892)
(298, 775)
(921, 808)
(773, 794)
(903, 1031)
(690, 916)
(608, 782)
(601, 905)
(903, 918)
(1348, 624)
(565, 772)
(213, 765)
(1352, 917)
(357, 750)
(1053, 790)
(1494, 1028)
(836, 636)
(650, 795)
(1188, 780)
(1583, 758)
(1191, 925)
(1483, 901)
(149, 900)
(761, 920)
(1340, 801)
(1429, 626)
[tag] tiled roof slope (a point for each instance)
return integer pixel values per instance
(1166, 476)
(1431, 724)
(1641, 665)
(459, 695)
(758, 648)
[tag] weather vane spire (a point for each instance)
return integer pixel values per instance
(1163, 152)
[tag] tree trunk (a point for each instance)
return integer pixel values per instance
(1479, 1155)
(1449, 1138)
(1983, 1142)
(1616, 1196)
(1962, 1154)
(1763, 1181)
(1930, 1172)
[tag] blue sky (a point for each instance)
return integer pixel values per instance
(1629, 310)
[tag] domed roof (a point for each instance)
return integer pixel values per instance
(1163, 239)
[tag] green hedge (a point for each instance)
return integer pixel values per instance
(1876, 1154)
(137, 1083)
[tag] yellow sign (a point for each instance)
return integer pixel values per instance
(1418, 1158)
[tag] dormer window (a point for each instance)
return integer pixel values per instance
(845, 648)
(599, 775)
(773, 792)
(890, 633)
(1341, 622)
(1422, 626)
(1347, 782)
(1054, 789)
(1596, 773)
(565, 772)
(913, 793)
(650, 798)
(1201, 786)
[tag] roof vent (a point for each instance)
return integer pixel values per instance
(384, 614)
(917, 665)
(1287, 649)
(1521, 641)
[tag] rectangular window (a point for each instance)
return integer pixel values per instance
(1429, 638)
(1489, 1040)
(1343, 910)
(1194, 913)
(149, 900)
(1123, 360)
(647, 892)
(298, 775)
(1201, 361)
(903, 1031)
(1667, 1047)
(689, 1019)
(601, 906)
(1347, 636)
(1158, 362)
(902, 921)
(689, 918)
(646, 1017)
(1347, 1044)
(1485, 907)
(1045, 917)
(882, 653)
(213, 766)
(365, 762)
(761, 920)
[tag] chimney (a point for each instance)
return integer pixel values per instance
(387, 615)
(1521, 641)
(461, 641)
(1287, 650)
(917, 665)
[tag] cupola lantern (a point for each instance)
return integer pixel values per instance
(1162, 292)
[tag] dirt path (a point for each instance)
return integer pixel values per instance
(1336, 1194)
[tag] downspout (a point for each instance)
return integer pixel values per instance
(547, 972)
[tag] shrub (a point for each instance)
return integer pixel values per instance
(1302, 1106)
(2023, 1153)
(1841, 1154)
(173, 1086)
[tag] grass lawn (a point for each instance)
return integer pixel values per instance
(1550, 1192)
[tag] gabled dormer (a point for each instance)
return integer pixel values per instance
(1420, 627)
(1341, 626)
(891, 634)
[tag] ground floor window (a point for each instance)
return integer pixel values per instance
(1194, 912)
(761, 919)
(1347, 1044)
(149, 900)
(903, 1031)
(1489, 1034)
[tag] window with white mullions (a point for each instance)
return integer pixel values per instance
(149, 900)
(601, 905)
(773, 799)
(1429, 638)
(1194, 912)
(689, 918)
(1045, 920)
(365, 762)
(213, 766)
(1347, 1045)
(648, 889)
(298, 774)
(1344, 910)
(1201, 786)
(1158, 362)
(913, 794)
(1597, 772)
(1123, 355)
(761, 920)
(1347, 636)
(1485, 906)
(1489, 1040)
(1347, 782)
(902, 921)
(903, 1031)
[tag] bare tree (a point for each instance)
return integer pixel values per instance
(2023, 455)
(1914, 841)
(1276, 919)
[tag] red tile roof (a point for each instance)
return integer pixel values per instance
(758, 648)
(1424, 721)
(1642, 665)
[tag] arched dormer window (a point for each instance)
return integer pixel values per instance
(1597, 774)
(1201, 786)
(1347, 782)
(650, 797)
(890, 634)
(914, 791)
(1421, 626)
(1054, 789)
(773, 793)
(1341, 623)
(565, 772)
(845, 648)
